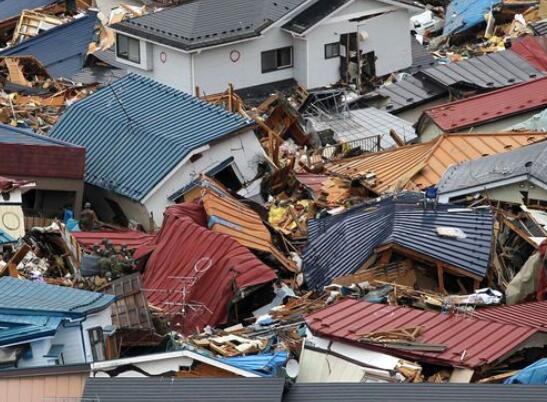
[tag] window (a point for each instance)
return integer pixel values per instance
(96, 339)
(277, 59)
(128, 48)
(332, 50)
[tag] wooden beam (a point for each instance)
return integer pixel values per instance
(440, 278)
(15, 260)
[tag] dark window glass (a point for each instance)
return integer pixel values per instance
(277, 59)
(332, 50)
(128, 48)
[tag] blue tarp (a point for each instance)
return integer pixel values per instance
(266, 364)
(535, 374)
(462, 15)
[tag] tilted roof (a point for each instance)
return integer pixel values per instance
(130, 125)
(470, 342)
(409, 92)
(201, 23)
(480, 109)
(525, 163)
(489, 71)
(13, 8)
(462, 15)
(533, 314)
(34, 298)
(61, 49)
(313, 14)
(25, 328)
(221, 267)
(341, 244)
(416, 167)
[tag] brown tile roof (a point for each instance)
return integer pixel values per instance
(422, 165)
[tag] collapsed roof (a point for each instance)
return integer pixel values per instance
(341, 244)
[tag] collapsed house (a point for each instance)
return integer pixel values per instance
(440, 239)
(465, 344)
(515, 177)
(122, 172)
(417, 167)
(195, 277)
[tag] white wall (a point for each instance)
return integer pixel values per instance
(214, 70)
(323, 71)
(509, 193)
(99, 319)
(244, 148)
(301, 61)
(388, 36)
(168, 66)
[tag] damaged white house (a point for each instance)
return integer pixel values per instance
(207, 44)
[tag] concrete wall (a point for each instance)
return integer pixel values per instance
(388, 37)
(40, 388)
(214, 69)
(244, 148)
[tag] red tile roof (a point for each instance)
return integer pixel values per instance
(131, 239)
(533, 314)
(183, 243)
(491, 106)
(471, 342)
(533, 49)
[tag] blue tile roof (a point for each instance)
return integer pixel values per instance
(136, 131)
(340, 244)
(13, 8)
(6, 238)
(34, 298)
(462, 15)
(61, 49)
(16, 135)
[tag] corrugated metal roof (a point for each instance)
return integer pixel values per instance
(313, 181)
(539, 27)
(231, 217)
(462, 15)
(13, 8)
(131, 239)
(533, 49)
(371, 392)
(409, 92)
(61, 49)
(134, 123)
(477, 110)
(364, 123)
(533, 314)
(32, 155)
(19, 328)
(421, 58)
(203, 23)
(5, 238)
(416, 167)
(470, 342)
(489, 71)
(526, 162)
(341, 244)
(23, 296)
(224, 268)
(183, 389)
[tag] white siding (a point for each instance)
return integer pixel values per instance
(39, 349)
(301, 61)
(388, 36)
(244, 148)
(214, 69)
(100, 319)
(70, 336)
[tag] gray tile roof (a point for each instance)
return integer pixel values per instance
(539, 27)
(409, 92)
(368, 392)
(201, 23)
(489, 71)
(340, 244)
(183, 389)
(529, 162)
